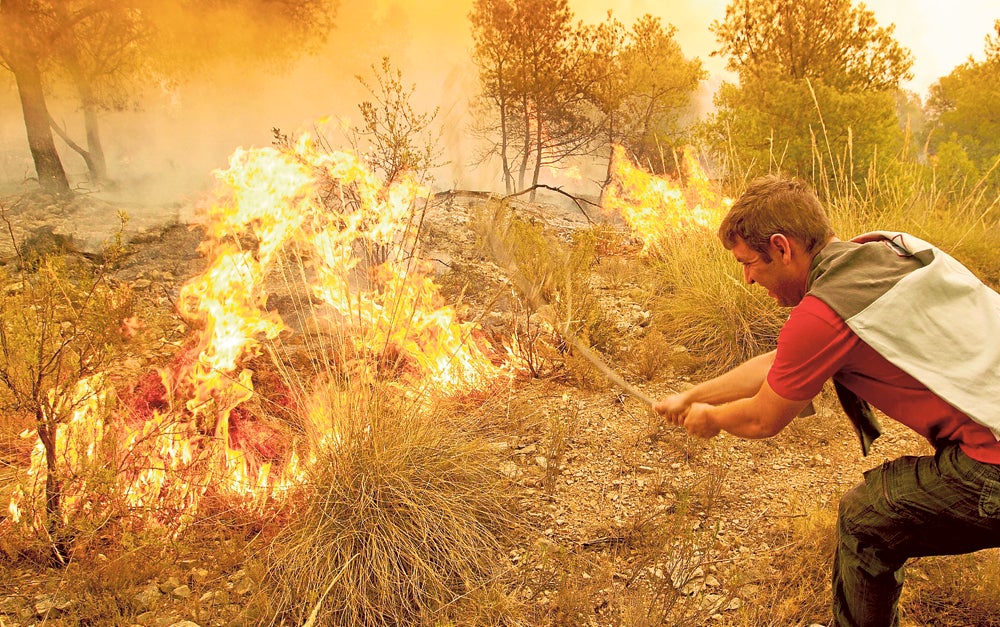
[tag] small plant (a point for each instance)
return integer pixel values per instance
(954, 590)
(561, 428)
(400, 138)
(64, 324)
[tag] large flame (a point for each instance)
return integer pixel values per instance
(658, 208)
(322, 228)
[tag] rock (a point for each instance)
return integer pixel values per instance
(12, 606)
(181, 592)
(214, 597)
(50, 603)
(243, 586)
(168, 586)
(184, 623)
(148, 598)
(501, 446)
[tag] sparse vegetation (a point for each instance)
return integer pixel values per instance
(547, 499)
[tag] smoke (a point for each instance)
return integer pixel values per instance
(165, 149)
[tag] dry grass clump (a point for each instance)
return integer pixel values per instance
(404, 524)
(790, 584)
(702, 303)
(953, 591)
(650, 569)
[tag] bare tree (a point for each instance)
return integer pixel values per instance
(22, 49)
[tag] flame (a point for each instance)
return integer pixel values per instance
(321, 225)
(657, 208)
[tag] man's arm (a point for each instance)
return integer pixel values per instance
(760, 416)
(742, 381)
(739, 401)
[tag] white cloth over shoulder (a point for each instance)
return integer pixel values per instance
(941, 325)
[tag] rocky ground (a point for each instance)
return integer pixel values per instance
(595, 469)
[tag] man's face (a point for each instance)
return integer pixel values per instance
(782, 282)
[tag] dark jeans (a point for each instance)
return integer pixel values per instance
(910, 507)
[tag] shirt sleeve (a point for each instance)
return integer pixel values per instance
(812, 346)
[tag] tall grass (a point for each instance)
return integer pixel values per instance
(702, 302)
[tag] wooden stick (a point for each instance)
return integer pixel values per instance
(532, 294)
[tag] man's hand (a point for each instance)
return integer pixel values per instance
(673, 408)
(695, 417)
(699, 421)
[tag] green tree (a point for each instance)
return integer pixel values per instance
(529, 58)
(552, 91)
(817, 87)
(644, 88)
(495, 54)
(22, 49)
(964, 111)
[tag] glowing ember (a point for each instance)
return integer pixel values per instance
(321, 228)
(657, 208)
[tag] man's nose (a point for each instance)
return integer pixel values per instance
(746, 275)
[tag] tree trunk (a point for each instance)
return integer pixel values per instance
(538, 158)
(96, 163)
(22, 62)
(526, 141)
(48, 166)
(53, 488)
(508, 178)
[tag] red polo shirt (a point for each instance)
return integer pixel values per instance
(816, 344)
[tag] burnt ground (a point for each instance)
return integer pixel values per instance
(597, 475)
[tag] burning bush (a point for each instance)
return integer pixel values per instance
(64, 326)
(313, 279)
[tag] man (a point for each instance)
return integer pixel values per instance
(896, 324)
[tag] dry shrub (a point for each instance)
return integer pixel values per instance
(618, 272)
(613, 240)
(790, 585)
(704, 304)
(404, 523)
(552, 276)
(651, 358)
(953, 591)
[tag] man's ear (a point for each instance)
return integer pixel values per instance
(782, 246)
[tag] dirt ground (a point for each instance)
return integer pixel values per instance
(594, 469)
